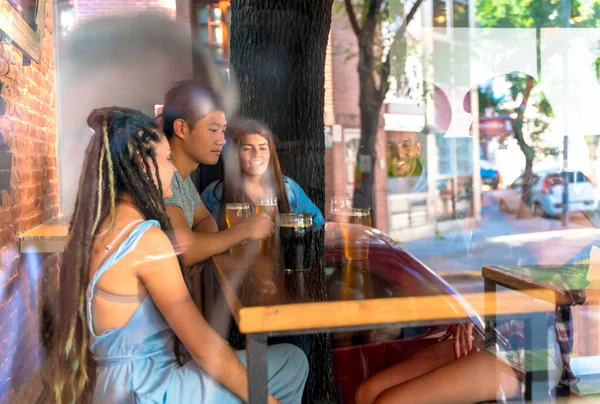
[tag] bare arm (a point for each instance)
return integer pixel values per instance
(163, 280)
(203, 221)
(196, 247)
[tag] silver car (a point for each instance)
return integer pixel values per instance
(547, 194)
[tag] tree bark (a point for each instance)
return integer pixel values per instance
(529, 153)
(278, 59)
(370, 101)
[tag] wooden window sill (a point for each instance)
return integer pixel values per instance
(50, 237)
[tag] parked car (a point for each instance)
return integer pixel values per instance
(509, 199)
(489, 174)
(547, 194)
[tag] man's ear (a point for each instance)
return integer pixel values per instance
(180, 128)
(418, 147)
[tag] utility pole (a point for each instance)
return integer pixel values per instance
(566, 10)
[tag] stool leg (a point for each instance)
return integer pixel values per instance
(490, 315)
(257, 368)
(537, 386)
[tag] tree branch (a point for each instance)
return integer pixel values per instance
(384, 74)
(352, 17)
(385, 69)
(408, 19)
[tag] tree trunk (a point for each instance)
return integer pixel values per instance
(529, 153)
(278, 59)
(370, 101)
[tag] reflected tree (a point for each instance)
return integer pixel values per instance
(376, 32)
(528, 130)
(536, 14)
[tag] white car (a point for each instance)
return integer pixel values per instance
(547, 194)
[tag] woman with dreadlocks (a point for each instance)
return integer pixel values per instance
(124, 307)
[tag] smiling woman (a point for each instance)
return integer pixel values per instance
(252, 171)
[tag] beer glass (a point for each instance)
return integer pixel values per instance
(338, 204)
(267, 206)
(234, 214)
(296, 237)
(356, 239)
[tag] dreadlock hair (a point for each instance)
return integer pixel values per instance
(233, 182)
(119, 158)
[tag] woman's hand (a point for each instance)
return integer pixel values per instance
(462, 334)
(258, 227)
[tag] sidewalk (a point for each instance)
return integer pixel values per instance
(504, 240)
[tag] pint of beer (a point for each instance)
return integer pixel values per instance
(296, 235)
(356, 240)
(267, 206)
(235, 213)
(339, 204)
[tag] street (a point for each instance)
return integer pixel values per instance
(502, 239)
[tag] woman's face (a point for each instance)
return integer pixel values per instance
(166, 169)
(254, 155)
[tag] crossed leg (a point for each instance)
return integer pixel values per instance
(435, 376)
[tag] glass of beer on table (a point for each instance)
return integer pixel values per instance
(269, 207)
(339, 204)
(234, 214)
(355, 238)
(296, 237)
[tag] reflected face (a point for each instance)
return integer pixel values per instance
(205, 140)
(407, 150)
(254, 155)
(166, 169)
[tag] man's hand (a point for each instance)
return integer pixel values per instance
(258, 227)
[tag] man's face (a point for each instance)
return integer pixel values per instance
(407, 150)
(204, 141)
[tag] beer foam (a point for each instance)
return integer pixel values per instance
(352, 214)
(237, 207)
(295, 225)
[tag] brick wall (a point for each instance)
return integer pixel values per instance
(28, 130)
(28, 197)
(345, 76)
(86, 9)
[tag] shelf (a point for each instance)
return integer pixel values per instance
(50, 237)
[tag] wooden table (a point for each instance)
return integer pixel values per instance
(388, 289)
(557, 285)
